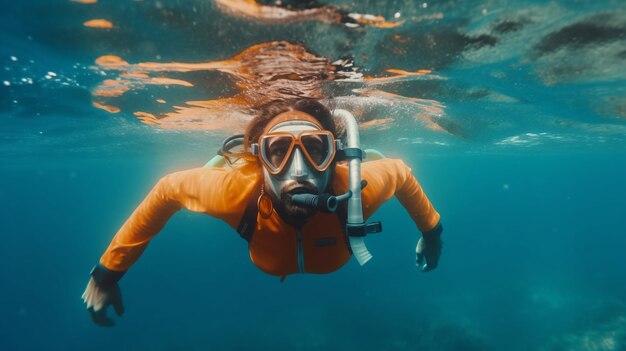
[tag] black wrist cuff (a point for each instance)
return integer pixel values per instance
(433, 233)
(104, 276)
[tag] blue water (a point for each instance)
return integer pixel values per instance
(529, 180)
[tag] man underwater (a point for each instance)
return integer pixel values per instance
(291, 159)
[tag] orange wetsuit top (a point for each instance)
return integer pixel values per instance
(276, 247)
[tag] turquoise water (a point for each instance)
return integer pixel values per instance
(520, 145)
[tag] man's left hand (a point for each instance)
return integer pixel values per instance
(428, 251)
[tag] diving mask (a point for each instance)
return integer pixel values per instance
(295, 137)
(277, 148)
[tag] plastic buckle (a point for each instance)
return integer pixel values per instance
(350, 153)
(363, 229)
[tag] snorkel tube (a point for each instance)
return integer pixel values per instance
(356, 229)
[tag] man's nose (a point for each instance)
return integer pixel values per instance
(298, 168)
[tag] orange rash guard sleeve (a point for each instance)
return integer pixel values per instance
(212, 191)
(386, 178)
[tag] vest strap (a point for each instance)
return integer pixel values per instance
(248, 222)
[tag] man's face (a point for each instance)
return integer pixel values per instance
(298, 174)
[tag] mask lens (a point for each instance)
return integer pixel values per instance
(275, 149)
(319, 148)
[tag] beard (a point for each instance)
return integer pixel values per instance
(291, 212)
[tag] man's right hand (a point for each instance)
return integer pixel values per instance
(428, 249)
(98, 298)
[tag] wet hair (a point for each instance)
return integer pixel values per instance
(268, 111)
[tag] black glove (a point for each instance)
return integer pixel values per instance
(101, 292)
(429, 249)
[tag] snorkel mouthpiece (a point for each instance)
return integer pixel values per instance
(325, 202)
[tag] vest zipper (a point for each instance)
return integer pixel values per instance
(300, 252)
